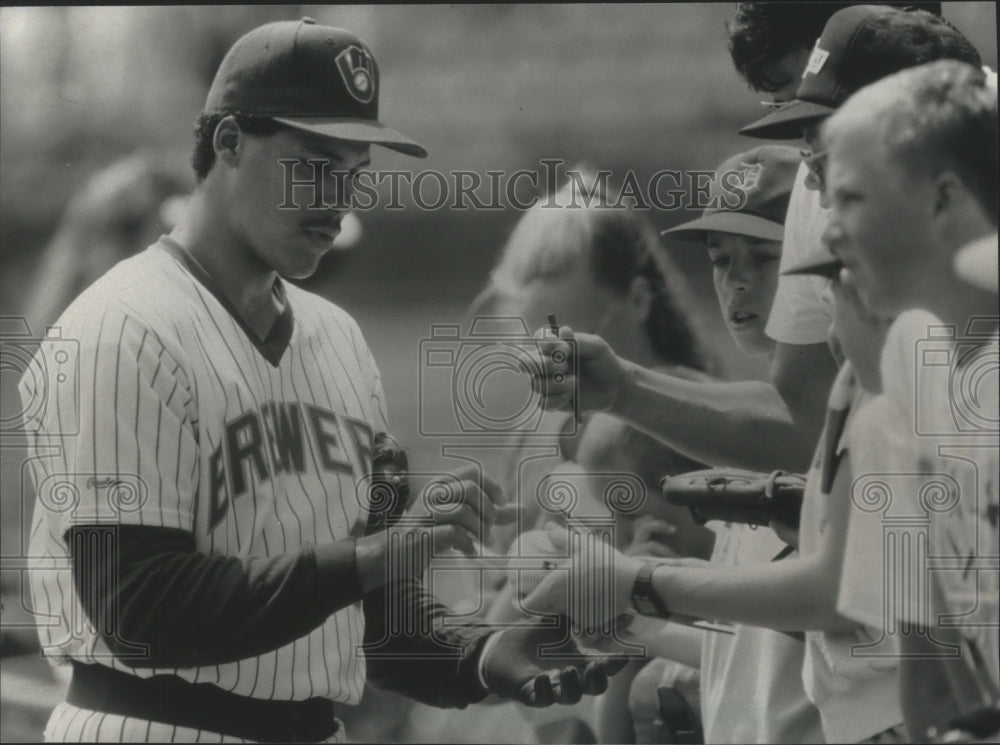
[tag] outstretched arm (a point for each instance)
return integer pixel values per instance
(796, 594)
(744, 424)
(749, 424)
(791, 595)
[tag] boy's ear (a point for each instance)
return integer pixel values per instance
(952, 197)
(955, 206)
(944, 192)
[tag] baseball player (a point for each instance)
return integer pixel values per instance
(204, 557)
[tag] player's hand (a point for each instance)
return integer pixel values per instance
(463, 507)
(649, 538)
(591, 588)
(453, 511)
(541, 666)
(599, 372)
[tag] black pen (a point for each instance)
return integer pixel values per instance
(554, 328)
(553, 325)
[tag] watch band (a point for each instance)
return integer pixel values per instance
(644, 597)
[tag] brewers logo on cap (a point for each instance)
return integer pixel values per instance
(316, 78)
(357, 70)
(750, 194)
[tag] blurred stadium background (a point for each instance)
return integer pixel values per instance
(484, 87)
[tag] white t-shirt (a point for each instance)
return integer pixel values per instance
(933, 482)
(751, 682)
(802, 310)
(879, 450)
(851, 676)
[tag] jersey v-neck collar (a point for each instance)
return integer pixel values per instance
(271, 348)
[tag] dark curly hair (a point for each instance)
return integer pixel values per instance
(203, 155)
(760, 34)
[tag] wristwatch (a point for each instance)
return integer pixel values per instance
(644, 597)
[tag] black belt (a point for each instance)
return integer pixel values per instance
(171, 700)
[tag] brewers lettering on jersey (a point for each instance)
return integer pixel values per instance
(201, 557)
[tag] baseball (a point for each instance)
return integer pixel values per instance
(531, 557)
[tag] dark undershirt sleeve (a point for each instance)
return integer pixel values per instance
(149, 586)
(410, 650)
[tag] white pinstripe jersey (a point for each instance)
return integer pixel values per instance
(172, 416)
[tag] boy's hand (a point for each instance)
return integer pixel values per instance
(592, 588)
(599, 372)
(650, 536)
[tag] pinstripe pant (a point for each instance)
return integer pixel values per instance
(70, 723)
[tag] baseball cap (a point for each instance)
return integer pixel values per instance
(976, 263)
(311, 77)
(859, 45)
(821, 262)
(748, 195)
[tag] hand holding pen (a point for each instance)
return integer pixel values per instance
(558, 377)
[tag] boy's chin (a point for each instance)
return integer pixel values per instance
(753, 342)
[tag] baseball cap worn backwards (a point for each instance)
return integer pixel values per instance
(748, 196)
(311, 77)
(846, 58)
